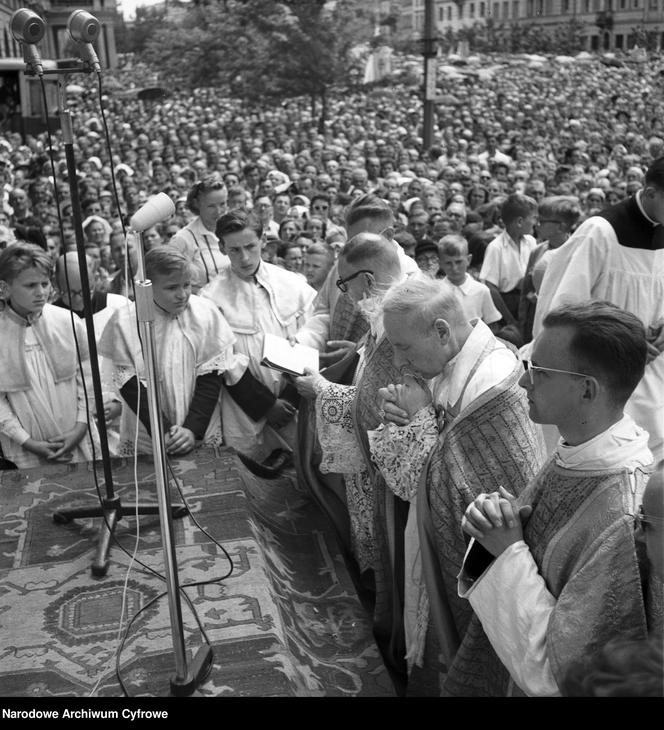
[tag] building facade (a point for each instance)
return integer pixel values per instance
(607, 25)
(56, 41)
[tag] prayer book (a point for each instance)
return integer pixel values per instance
(279, 354)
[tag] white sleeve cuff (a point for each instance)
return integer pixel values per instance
(514, 605)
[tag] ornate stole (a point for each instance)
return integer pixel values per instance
(347, 322)
(390, 515)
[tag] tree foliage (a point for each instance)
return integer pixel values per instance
(259, 48)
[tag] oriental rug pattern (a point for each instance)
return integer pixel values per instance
(286, 622)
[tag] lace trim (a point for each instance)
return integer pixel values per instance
(415, 654)
(122, 374)
(399, 451)
(218, 364)
(341, 453)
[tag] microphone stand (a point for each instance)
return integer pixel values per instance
(111, 507)
(185, 680)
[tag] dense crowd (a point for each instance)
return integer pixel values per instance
(433, 282)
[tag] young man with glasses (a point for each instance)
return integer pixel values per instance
(553, 575)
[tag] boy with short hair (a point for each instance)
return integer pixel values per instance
(506, 257)
(474, 296)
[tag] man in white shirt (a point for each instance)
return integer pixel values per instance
(553, 575)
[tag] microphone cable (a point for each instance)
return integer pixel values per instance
(100, 497)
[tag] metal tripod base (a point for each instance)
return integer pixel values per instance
(113, 511)
(198, 671)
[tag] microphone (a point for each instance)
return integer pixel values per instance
(157, 209)
(84, 29)
(28, 29)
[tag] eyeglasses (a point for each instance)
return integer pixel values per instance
(531, 369)
(320, 207)
(342, 284)
(641, 520)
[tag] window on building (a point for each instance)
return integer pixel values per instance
(471, 10)
(529, 8)
(482, 9)
(441, 11)
(449, 12)
(564, 7)
(653, 4)
(515, 8)
(619, 41)
(539, 7)
(496, 10)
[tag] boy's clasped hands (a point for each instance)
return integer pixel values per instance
(59, 448)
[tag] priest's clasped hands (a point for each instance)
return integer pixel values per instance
(495, 520)
(400, 402)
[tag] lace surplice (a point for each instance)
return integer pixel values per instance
(400, 451)
(341, 454)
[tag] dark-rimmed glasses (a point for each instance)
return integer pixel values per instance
(342, 284)
(531, 369)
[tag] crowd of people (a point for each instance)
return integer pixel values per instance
(485, 428)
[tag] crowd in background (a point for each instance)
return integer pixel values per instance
(582, 129)
(520, 158)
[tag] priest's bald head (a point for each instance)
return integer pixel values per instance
(368, 265)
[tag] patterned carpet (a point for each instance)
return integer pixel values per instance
(286, 623)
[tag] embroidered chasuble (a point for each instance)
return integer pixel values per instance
(329, 488)
(474, 435)
(492, 442)
(377, 517)
(582, 533)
